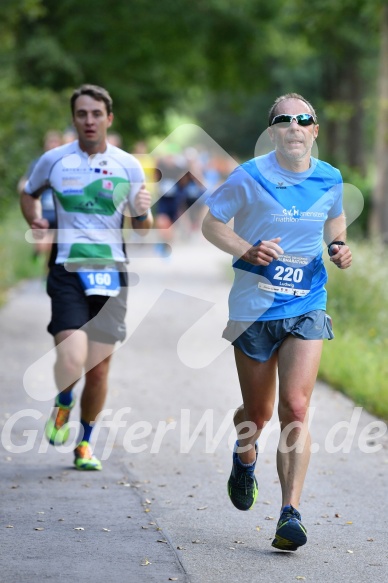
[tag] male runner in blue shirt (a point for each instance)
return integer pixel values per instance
(284, 205)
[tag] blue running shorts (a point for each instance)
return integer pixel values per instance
(259, 340)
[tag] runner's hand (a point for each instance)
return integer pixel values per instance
(341, 256)
(142, 201)
(39, 228)
(263, 253)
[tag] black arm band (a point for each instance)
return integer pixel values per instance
(142, 217)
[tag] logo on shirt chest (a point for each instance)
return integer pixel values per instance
(72, 185)
(294, 214)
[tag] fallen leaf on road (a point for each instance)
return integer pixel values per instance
(181, 548)
(258, 528)
(196, 542)
(300, 578)
(106, 529)
(202, 508)
(173, 578)
(349, 522)
(9, 526)
(39, 528)
(79, 528)
(337, 515)
(370, 539)
(239, 542)
(269, 518)
(160, 540)
(145, 562)
(351, 552)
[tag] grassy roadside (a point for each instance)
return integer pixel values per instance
(355, 362)
(16, 255)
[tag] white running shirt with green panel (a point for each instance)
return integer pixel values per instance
(91, 195)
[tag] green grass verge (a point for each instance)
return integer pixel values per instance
(356, 360)
(16, 255)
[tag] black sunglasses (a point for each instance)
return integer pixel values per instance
(303, 119)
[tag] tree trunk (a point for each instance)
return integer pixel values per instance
(378, 221)
(354, 142)
(331, 127)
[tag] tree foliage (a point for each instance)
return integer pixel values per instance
(220, 61)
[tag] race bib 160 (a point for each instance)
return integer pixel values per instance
(103, 282)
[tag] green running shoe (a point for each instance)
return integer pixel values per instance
(56, 429)
(84, 458)
(290, 532)
(242, 484)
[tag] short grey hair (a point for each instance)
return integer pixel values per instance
(272, 111)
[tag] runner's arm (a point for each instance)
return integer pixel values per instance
(144, 219)
(223, 237)
(335, 230)
(32, 211)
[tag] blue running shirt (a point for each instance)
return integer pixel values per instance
(268, 201)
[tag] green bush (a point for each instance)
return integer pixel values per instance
(355, 362)
(25, 115)
(16, 255)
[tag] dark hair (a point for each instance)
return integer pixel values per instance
(272, 111)
(98, 93)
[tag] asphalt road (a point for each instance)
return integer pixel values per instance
(159, 510)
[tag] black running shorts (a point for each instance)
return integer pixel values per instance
(101, 317)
